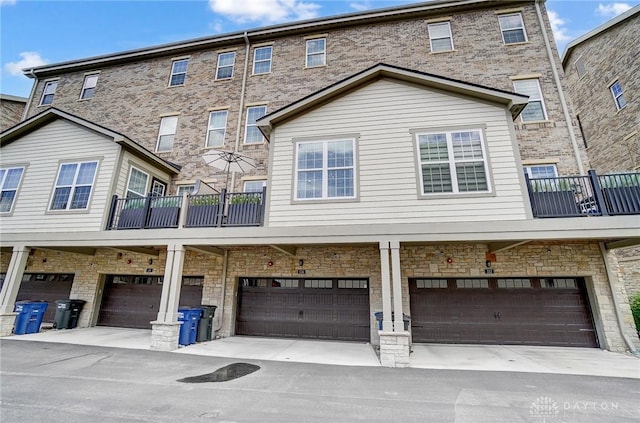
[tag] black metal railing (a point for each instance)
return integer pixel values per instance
(592, 195)
(210, 210)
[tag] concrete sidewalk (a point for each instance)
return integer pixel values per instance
(501, 358)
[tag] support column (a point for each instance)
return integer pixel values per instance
(396, 277)
(387, 323)
(10, 288)
(166, 330)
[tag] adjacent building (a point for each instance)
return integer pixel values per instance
(414, 161)
(11, 110)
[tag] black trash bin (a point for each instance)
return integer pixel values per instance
(67, 313)
(205, 327)
(405, 318)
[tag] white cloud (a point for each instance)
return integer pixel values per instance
(28, 59)
(7, 2)
(271, 11)
(611, 10)
(558, 27)
(217, 27)
(360, 5)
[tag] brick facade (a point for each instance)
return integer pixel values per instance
(11, 110)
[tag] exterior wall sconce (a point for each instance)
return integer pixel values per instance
(270, 264)
(449, 260)
(300, 262)
(150, 261)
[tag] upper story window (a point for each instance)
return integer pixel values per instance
(580, 67)
(137, 184)
(440, 37)
(254, 186)
(252, 134)
(158, 188)
(89, 86)
(512, 28)
(217, 128)
(452, 162)
(73, 186)
(541, 171)
(618, 95)
(9, 182)
(178, 72)
(535, 110)
(325, 170)
(262, 60)
(316, 52)
(49, 92)
(167, 133)
(225, 65)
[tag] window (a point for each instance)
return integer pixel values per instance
(580, 68)
(185, 188)
(541, 171)
(316, 52)
(254, 186)
(252, 134)
(514, 283)
(453, 162)
(431, 283)
(440, 37)
(472, 283)
(158, 188)
(559, 283)
(167, 133)
(225, 65)
(535, 110)
(178, 72)
(89, 86)
(325, 170)
(49, 92)
(618, 96)
(9, 182)
(262, 60)
(73, 186)
(512, 28)
(137, 186)
(216, 129)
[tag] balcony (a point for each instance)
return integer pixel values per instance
(191, 211)
(592, 195)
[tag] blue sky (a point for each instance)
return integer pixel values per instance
(35, 32)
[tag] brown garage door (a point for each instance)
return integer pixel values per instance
(48, 287)
(304, 308)
(546, 311)
(131, 301)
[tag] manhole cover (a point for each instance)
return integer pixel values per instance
(223, 374)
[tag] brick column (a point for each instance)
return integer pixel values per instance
(398, 323)
(387, 323)
(10, 288)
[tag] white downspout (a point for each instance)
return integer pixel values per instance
(220, 310)
(33, 90)
(240, 112)
(563, 100)
(616, 302)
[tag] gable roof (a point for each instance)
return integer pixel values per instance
(598, 30)
(47, 116)
(515, 102)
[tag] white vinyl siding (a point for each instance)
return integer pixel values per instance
(57, 143)
(89, 86)
(10, 179)
(512, 28)
(262, 60)
(225, 65)
(130, 161)
(382, 115)
(48, 93)
(440, 37)
(217, 127)
(167, 133)
(316, 52)
(178, 72)
(535, 110)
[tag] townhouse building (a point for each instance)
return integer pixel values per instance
(11, 110)
(419, 160)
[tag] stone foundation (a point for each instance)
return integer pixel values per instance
(394, 349)
(164, 336)
(6, 323)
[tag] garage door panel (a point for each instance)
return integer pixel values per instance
(47, 287)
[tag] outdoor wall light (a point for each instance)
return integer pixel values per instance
(44, 259)
(300, 262)
(270, 264)
(449, 260)
(150, 261)
(128, 261)
(119, 256)
(488, 263)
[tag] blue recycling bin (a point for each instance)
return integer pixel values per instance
(30, 314)
(190, 318)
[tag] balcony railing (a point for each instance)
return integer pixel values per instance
(592, 195)
(210, 210)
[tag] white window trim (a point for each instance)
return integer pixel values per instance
(232, 66)
(85, 87)
(172, 74)
(452, 164)
(431, 39)
(157, 183)
(615, 98)
(17, 189)
(161, 134)
(184, 187)
(44, 92)
(146, 184)
(528, 168)
(325, 170)
(247, 124)
(72, 187)
(324, 53)
(524, 31)
(270, 60)
(545, 116)
(210, 128)
(248, 181)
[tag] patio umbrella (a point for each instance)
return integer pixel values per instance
(229, 161)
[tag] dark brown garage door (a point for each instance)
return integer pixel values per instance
(304, 308)
(546, 311)
(48, 287)
(131, 301)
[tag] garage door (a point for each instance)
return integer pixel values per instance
(545, 311)
(131, 301)
(48, 287)
(304, 308)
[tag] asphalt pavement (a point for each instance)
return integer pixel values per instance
(56, 382)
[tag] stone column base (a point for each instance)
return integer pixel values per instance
(164, 335)
(7, 320)
(394, 349)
